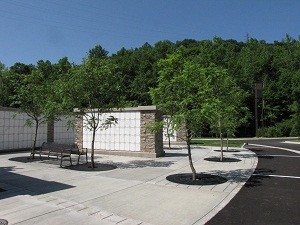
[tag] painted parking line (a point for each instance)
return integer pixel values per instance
(280, 176)
(287, 156)
(267, 146)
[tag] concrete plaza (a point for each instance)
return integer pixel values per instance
(136, 192)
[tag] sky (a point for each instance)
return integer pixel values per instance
(32, 30)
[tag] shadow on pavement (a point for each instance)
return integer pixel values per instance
(225, 159)
(86, 167)
(175, 154)
(17, 184)
(140, 164)
(234, 176)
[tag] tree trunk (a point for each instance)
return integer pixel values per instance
(169, 140)
(35, 137)
(227, 143)
(221, 139)
(93, 149)
(188, 142)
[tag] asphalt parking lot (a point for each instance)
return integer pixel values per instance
(272, 194)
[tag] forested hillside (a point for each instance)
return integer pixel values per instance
(275, 65)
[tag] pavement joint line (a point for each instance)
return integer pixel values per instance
(98, 212)
(82, 209)
(267, 146)
(91, 214)
(271, 175)
(122, 220)
(113, 192)
(38, 216)
(107, 217)
(182, 168)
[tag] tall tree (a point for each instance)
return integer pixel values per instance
(94, 89)
(224, 104)
(181, 93)
(30, 95)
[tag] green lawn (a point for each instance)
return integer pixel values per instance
(216, 142)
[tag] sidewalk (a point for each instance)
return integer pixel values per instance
(134, 193)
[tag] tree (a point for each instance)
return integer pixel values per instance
(36, 94)
(3, 94)
(181, 93)
(97, 53)
(94, 89)
(296, 104)
(224, 103)
(30, 95)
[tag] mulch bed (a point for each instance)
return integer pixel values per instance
(229, 150)
(3, 222)
(225, 159)
(27, 159)
(88, 168)
(201, 179)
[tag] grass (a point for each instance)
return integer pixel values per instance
(216, 142)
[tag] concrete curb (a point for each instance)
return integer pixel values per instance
(230, 196)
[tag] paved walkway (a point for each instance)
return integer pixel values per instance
(134, 193)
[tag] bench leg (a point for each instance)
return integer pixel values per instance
(78, 159)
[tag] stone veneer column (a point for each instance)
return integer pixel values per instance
(50, 131)
(79, 131)
(181, 133)
(150, 142)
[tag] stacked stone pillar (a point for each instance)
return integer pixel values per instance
(151, 142)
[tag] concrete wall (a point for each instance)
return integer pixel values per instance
(130, 136)
(14, 135)
(62, 133)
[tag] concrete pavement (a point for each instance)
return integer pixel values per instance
(134, 193)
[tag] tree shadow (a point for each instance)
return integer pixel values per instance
(141, 164)
(43, 159)
(225, 159)
(201, 179)
(27, 159)
(175, 154)
(229, 150)
(17, 184)
(244, 156)
(87, 168)
(234, 176)
(255, 181)
(265, 156)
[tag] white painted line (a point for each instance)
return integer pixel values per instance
(287, 156)
(292, 142)
(264, 175)
(267, 146)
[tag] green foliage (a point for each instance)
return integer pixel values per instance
(283, 129)
(93, 88)
(276, 65)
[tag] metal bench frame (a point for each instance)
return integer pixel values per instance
(62, 151)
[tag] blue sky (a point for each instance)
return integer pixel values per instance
(31, 30)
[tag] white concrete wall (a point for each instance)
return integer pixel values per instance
(173, 138)
(123, 136)
(13, 133)
(62, 133)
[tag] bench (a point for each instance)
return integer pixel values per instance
(62, 151)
